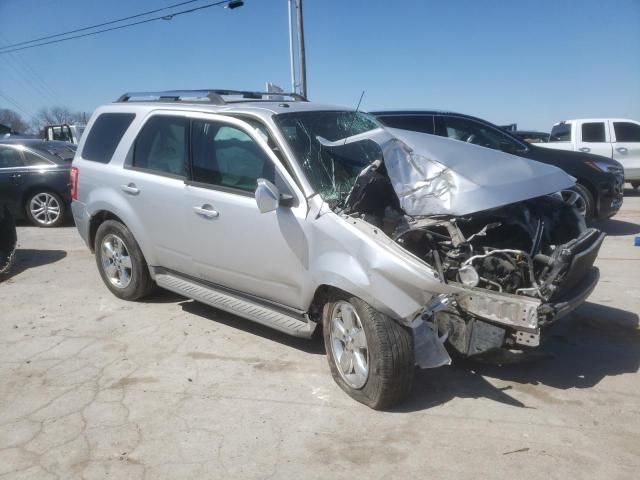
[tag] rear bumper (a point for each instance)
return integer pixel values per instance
(82, 220)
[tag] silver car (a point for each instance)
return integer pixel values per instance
(403, 246)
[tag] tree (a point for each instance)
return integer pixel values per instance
(13, 120)
(56, 116)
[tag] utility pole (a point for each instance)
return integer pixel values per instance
(291, 59)
(302, 65)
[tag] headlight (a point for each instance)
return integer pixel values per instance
(469, 276)
(598, 165)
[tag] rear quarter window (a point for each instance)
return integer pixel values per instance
(104, 136)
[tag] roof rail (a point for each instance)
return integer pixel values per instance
(215, 97)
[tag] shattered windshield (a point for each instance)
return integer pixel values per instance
(322, 145)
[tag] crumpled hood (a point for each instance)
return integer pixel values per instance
(433, 175)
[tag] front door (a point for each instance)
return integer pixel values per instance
(626, 147)
(234, 245)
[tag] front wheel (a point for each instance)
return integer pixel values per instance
(581, 199)
(120, 262)
(370, 355)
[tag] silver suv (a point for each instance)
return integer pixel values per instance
(403, 246)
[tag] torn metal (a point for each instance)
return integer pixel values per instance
(504, 256)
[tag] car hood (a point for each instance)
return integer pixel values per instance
(433, 175)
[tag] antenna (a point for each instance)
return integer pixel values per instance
(354, 118)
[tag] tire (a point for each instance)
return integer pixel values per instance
(121, 263)
(635, 185)
(45, 208)
(388, 352)
(580, 197)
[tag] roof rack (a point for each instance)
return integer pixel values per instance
(215, 97)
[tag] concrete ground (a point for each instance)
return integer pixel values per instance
(94, 387)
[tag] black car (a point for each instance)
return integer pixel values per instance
(599, 185)
(34, 179)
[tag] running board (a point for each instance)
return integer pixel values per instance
(238, 306)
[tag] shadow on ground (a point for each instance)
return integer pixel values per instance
(616, 228)
(597, 341)
(313, 345)
(25, 259)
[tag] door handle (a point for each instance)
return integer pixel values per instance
(131, 189)
(622, 150)
(585, 149)
(206, 211)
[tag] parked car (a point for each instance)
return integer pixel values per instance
(598, 192)
(34, 179)
(8, 239)
(301, 214)
(531, 136)
(64, 132)
(616, 138)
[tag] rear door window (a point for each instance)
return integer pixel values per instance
(593, 132)
(162, 146)
(31, 159)
(9, 157)
(105, 135)
(626, 131)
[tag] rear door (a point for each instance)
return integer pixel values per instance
(626, 147)
(11, 165)
(153, 183)
(593, 137)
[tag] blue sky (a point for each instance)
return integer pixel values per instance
(531, 62)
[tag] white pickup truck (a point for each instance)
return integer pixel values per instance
(615, 138)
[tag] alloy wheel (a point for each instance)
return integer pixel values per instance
(116, 261)
(45, 208)
(349, 344)
(576, 200)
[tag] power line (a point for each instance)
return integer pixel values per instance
(162, 17)
(111, 22)
(16, 105)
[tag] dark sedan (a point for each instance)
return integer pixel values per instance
(599, 185)
(34, 179)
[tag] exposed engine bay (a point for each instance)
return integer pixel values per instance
(538, 248)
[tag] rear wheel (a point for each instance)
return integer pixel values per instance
(45, 209)
(120, 261)
(369, 354)
(581, 199)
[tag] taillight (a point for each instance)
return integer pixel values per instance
(74, 183)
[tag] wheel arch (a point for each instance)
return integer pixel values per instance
(103, 205)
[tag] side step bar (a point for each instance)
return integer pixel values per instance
(234, 304)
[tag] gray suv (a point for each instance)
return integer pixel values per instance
(294, 214)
